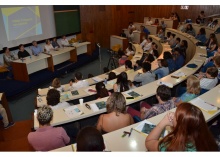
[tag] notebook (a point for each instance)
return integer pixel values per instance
(133, 94)
(146, 127)
(75, 92)
(98, 106)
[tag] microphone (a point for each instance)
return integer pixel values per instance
(98, 45)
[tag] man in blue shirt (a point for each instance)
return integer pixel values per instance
(178, 58)
(145, 30)
(36, 50)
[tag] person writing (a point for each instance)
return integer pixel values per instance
(189, 132)
(22, 53)
(36, 49)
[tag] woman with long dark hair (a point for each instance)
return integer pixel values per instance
(123, 84)
(189, 132)
(101, 90)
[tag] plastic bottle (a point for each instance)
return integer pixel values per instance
(105, 81)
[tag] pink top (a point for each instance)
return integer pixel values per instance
(48, 138)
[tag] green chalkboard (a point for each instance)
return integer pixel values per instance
(67, 22)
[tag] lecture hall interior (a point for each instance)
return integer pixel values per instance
(113, 78)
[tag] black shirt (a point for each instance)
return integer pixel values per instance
(23, 54)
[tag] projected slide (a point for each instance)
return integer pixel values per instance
(21, 22)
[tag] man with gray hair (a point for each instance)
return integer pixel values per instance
(36, 49)
(47, 138)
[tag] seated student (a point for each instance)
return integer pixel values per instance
(131, 36)
(144, 38)
(163, 69)
(212, 35)
(129, 50)
(101, 90)
(176, 43)
(36, 49)
(145, 30)
(214, 24)
(172, 39)
(192, 90)
(123, 84)
(210, 79)
(128, 66)
(48, 47)
(55, 43)
(212, 47)
(198, 20)
(111, 76)
(209, 23)
(167, 38)
(201, 36)
(183, 47)
(90, 139)
(149, 22)
(216, 60)
(116, 117)
(22, 53)
(189, 132)
(209, 61)
(156, 22)
(178, 58)
(79, 83)
(154, 46)
(71, 81)
(147, 45)
(155, 54)
(163, 25)
(47, 137)
(57, 85)
(189, 30)
(64, 41)
(160, 34)
(138, 65)
(53, 100)
(131, 26)
(149, 58)
(4, 118)
(165, 103)
(147, 76)
(123, 34)
(171, 63)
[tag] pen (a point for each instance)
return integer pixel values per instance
(130, 132)
(208, 103)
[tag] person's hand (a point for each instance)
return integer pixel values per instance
(143, 110)
(168, 119)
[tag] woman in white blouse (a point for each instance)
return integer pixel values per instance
(48, 47)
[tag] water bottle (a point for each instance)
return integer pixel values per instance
(30, 56)
(105, 81)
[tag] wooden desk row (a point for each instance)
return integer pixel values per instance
(83, 92)
(208, 30)
(23, 68)
(146, 91)
(170, 23)
(136, 142)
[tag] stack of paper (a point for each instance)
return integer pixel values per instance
(72, 111)
(170, 85)
(178, 74)
(97, 79)
(203, 105)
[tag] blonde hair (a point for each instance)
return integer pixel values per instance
(193, 85)
(116, 103)
(56, 83)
